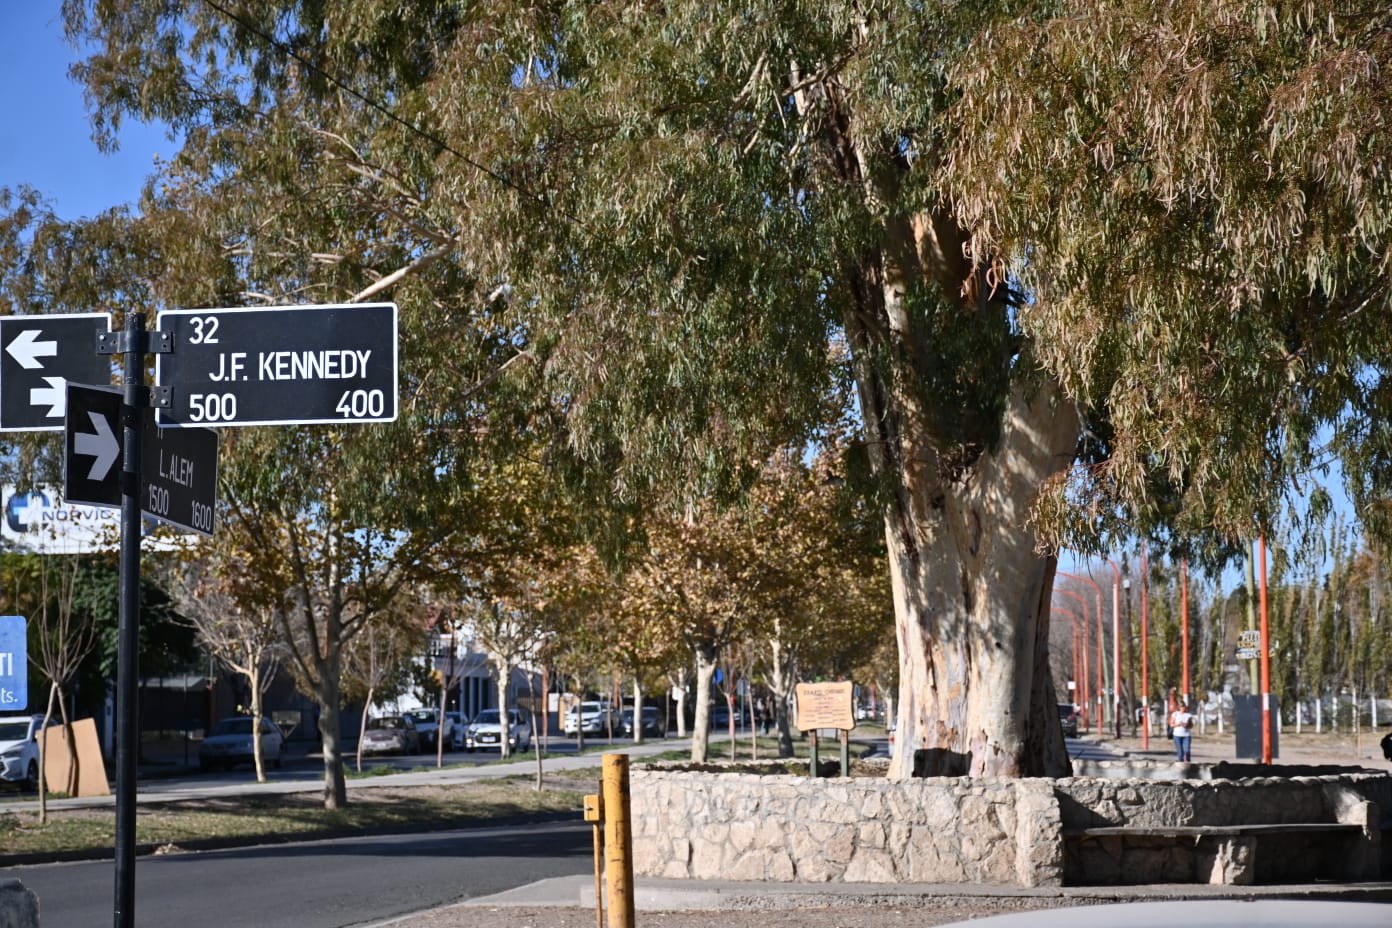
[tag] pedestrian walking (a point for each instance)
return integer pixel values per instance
(1182, 725)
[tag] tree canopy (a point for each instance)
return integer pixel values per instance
(669, 242)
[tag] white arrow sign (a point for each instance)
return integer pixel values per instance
(27, 351)
(54, 396)
(102, 447)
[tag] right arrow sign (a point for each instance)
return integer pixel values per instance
(92, 446)
(178, 467)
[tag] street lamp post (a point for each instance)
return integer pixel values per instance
(1184, 626)
(1145, 652)
(1265, 660)
(1116, 645)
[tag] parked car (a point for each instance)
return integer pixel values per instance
(486, 731)
(457, 723)
(229, 743)
(428, 725)
(652, 724)
(720, 718)
(593, 718)
(391, 734)
(1068, 718)
(19, 750)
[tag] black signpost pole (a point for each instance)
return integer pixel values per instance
(128, 669)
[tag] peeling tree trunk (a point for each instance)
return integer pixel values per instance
(678, 682)
(257, 753)
(705, 672)
(972, 610)
(504, 674)
(637, 709)
(362, 726)
(781, 680)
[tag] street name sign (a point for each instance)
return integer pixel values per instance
(14, 664)
(283, 365)
(37, 355)
(178, 467)
(178, 475)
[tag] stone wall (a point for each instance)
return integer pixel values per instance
(792, 828)
(709, 825)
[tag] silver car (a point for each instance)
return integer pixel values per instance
(230, 742)
(391, 734)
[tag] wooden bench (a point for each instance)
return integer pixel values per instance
(1223, 854)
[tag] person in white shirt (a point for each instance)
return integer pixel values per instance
(1182, 724)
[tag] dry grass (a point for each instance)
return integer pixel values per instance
(296, 816)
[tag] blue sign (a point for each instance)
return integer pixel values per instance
(14, 664)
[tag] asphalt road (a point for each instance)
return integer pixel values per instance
(321, 884)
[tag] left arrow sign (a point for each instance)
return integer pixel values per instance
(27, 349)
(100, 445)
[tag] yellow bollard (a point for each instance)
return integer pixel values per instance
(594, 814)
(618, 840)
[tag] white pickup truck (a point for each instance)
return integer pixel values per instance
(19, 750)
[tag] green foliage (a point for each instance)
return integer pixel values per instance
(1198, 195)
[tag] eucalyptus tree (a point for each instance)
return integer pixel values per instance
(698, 223)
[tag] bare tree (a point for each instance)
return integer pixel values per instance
(244, 639)
(371, 661)
(63, 641)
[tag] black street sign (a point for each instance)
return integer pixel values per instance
(178, 467)
(285, 365)
(178, 475)
(92, 446)
(37, 355)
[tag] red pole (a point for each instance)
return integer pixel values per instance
(1098, 590)
(1074, 617)
(1265, 659)
(1082, 602)
(1145, 655)
(1184, 623)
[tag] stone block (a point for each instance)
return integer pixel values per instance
(19, 907)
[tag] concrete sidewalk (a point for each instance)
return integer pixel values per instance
(570, 901)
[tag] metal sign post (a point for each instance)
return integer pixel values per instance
(128, 643)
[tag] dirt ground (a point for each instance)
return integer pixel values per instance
(487, 917)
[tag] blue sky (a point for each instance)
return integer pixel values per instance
(45, 137)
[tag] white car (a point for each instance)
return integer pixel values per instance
(428, 726)
(593, 718)
(229, 742)
(19, 750)
(457, 722)
(486, 731)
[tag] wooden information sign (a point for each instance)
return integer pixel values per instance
(825, 705)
